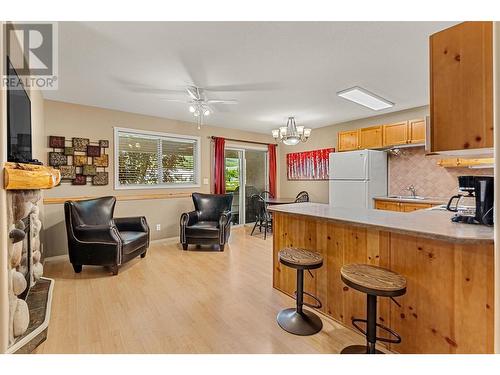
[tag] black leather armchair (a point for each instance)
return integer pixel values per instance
(209, 223)
(95, 238)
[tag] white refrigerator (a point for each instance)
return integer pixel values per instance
(356, 177)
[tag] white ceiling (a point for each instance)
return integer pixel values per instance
(286, 68)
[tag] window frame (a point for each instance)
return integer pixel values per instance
(197, 159)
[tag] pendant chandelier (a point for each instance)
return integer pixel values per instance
(291, 134)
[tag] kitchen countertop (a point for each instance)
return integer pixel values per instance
(424, 223)
(428, 200)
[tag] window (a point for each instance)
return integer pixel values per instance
(155, 160)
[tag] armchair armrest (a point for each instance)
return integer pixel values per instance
(225, 218)
(104, 234)
(189, 218)
(132, 224)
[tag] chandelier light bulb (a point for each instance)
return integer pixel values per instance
(206, 112)
(192, 109)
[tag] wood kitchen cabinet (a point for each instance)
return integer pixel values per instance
(416, 131)
(400, 206)
(387, 205)
(371, 137)
(461, 87)
(348, 140)
(396, 134)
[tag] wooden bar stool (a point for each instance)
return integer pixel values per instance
(375, 282)
(297, 320)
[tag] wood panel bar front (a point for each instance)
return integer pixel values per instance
(448, 307)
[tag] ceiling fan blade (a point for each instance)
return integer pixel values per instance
(145, 89)
(221, 101)
(262, 86)
(193, 92)
(175, 100)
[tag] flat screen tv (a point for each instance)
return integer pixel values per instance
(18, 119)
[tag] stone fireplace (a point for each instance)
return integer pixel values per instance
(29, 294)
(24, 256)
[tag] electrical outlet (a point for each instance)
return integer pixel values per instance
(158, 227)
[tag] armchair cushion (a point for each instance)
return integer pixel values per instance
(203, 229)
(107, 234)
(133, 240)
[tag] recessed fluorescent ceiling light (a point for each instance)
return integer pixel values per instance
(364, 97)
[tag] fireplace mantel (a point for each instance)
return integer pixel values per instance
(19, 176)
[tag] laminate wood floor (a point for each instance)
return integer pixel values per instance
(176, 301)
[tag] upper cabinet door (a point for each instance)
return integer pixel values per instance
(370, 137)
(416, 130)
(396, 134)
(348, 140)
(461, 87)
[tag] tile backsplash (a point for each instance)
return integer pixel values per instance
(412, 167)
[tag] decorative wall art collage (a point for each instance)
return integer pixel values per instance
(309, 165)
(80, 160)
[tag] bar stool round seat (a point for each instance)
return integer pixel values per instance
(374, 282)
(297, 320)
(300, 258)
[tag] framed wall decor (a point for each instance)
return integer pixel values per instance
(68, 172)
(101, 178)
(56, 141)
(309, 165)
(101, 161)
(69, 151)
(93, 150)
(80, 160)
(57, 159)
(80, 179)
(80, 144)
(89, 170)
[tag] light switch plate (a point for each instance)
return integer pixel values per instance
(205, 181)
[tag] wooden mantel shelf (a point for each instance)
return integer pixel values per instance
(18, 176)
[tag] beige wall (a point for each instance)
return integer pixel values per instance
(327, 137)
(71, 120)
(37, 126)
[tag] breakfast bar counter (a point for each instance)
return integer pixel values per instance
(448, 307)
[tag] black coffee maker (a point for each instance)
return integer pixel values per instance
(484, 192)
(476, 207)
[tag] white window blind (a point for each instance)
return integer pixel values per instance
(146, 159)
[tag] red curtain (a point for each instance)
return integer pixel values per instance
(219, 183)
(272, 169)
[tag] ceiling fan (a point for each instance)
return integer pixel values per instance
(198, 103)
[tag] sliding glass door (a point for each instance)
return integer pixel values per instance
(246, 174)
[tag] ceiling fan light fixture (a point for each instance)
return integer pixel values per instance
(365, 98)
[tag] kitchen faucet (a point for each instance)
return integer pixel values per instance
(411, 188)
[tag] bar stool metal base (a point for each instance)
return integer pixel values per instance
(358, 349)
(305, 324)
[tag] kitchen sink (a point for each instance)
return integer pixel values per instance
(411, 197)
